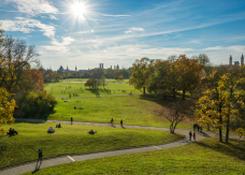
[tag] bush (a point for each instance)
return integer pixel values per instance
(36, 105)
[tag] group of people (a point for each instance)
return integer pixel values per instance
(112, 123)
(192, 134)
(58, 125)
(12, 132)
(197, 128)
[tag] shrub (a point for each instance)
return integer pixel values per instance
(36, 105)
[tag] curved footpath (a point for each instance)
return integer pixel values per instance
(29, 167)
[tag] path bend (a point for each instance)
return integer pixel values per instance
(28, 167)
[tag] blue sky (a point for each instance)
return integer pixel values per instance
(118, 32)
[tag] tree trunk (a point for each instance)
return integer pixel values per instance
(220, 134)
(174, 93)
(220, 129)
(144, 90)
(228, 126)
(171, 128)
(227, 130)
(183, 95)
(228, 118)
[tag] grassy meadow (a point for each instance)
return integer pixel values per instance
(118, 101)
(205, 158)
(71, 140)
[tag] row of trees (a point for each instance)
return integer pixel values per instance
(167, 77)
(218, 92)
(21, 81)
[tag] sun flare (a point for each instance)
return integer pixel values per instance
(79, 10)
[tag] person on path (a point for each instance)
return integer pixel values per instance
(39, 160)
(71, 120)
(112, 122)
(121, 123)
(190, 135)
(194, 136)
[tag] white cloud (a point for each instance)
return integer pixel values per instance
(58, 46)
(27, 25)
(69, 52)
(134, 30)
(34, 7)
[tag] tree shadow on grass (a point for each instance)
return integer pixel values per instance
(98, 92)
(168, 102)
(235, 148)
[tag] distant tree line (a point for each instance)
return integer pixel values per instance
(218, 92)
(109, 73)
(21, 82)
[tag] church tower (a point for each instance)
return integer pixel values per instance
(242, 60)
(230, 61)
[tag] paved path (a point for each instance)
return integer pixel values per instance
(28, 167)
(95, 124)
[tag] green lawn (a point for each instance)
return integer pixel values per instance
(205, 158)
(72, 140)
(119, 101)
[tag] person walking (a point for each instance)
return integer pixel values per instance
(121, 123)
(71, 120)
(190, 135)
(39, 160)
(194, 136)
(112, 122)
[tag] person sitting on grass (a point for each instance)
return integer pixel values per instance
(12, 132)
(92, 132)
(51, 130)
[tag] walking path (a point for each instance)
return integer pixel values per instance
(28, 167)
(96, 124)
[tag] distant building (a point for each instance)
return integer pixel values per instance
(242, 60)
(61, 69)
(101, 65)
(230, 63)
(236, 63)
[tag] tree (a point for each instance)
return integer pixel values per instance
(202, 59)
(220, 105)
(140, 73)
(189, 73)
(175, 113)
(7, 106)
(20, 79)
(174, 117)
(158, 77)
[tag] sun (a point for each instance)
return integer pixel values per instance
(79, 10)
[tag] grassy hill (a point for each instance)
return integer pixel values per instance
(119, 101)
(71, 140)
